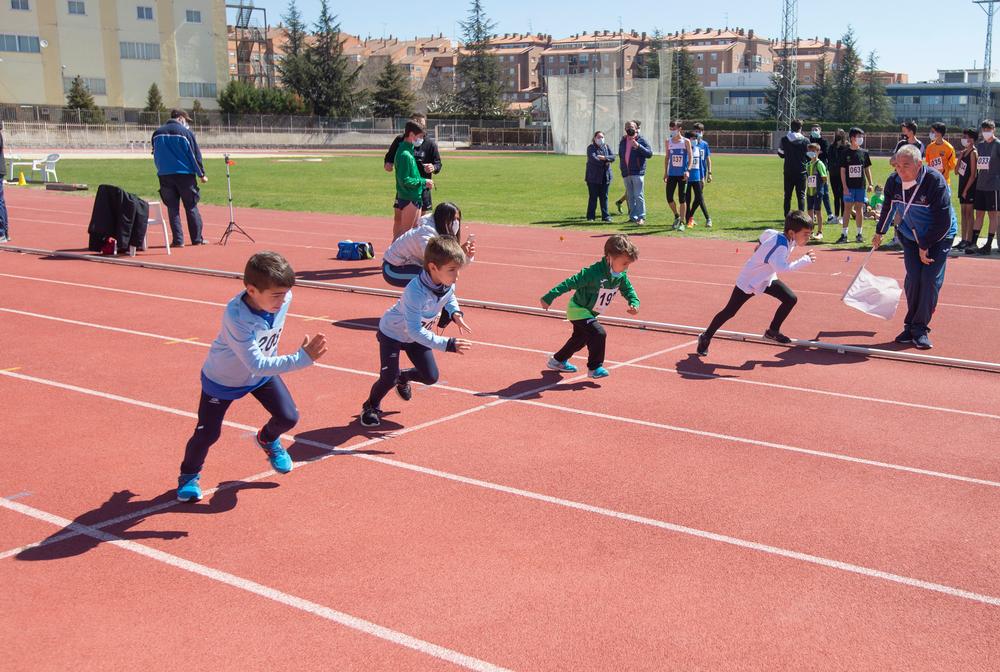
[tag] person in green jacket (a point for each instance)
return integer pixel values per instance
(410, 184)
(596, 286)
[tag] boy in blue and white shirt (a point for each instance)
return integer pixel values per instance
(407, 327)
(244, 359)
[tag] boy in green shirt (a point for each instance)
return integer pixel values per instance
(817, 178)
(410, 184)
(596, 286)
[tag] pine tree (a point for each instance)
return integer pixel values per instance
(690, 101)
(79, 98)
(196, 110)
(239, 98)
(879, 109)
(331, 89)
(155, 110)
(293, 66)
(478, 70)
(772, 99)
(651, 62)
(817, 102)
(392, 96)
(848, 102)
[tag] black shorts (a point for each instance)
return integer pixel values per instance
(400, 204)
(987, 201)
(968, 200)
(680, 184)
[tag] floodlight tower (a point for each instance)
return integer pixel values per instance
(985, 93)
(787, 66)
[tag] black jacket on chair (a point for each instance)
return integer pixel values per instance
(117, 214)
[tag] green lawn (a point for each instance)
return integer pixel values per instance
(519, 189)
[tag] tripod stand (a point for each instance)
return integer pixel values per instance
(233, 226)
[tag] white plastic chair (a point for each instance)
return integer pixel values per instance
(152, 220)
(46, 166)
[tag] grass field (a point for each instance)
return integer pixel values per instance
(518, 189)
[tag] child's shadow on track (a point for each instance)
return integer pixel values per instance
(317, 444)
(694, 367)
(533, 388)
(348, 273)
(122, 504)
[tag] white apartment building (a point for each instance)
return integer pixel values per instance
(118, 47)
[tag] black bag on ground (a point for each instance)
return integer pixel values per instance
(117, 214)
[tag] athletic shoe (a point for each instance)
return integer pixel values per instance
(708, 223)
(818, 235)
(200, 242)
(677, 223)
(591, 219)
(840, 220)
(972, 249)
(606, 219)
(4, 239)
(984, 250)
(690, 223)
(922, 342)
(188, 489)
(176, 244)
(962, 245)
(832, 219)
(369, 415)
(703, 343)
(404, 389)
(859, 238)
(640, 221)
(904, 337)
(599, 372)
(556, 365)
(619, 205)
(777, 336)
(279, 458)
(842, 239)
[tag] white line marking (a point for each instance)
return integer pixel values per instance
(347, 620)
(579, 506)
(519, 398)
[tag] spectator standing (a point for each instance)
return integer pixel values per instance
(179, 167)
(598, 176)
(793, 150)
(634, 150)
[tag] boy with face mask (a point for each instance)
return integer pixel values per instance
(966, 169)
(987, 187)
(939, 152)
(816, 181)
(856, 176)
(410, 183)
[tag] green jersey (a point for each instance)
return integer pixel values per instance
(816, 175)
(595, 288)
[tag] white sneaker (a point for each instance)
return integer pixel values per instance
(832, 219)
(708, 223)
(840, 220)
(817, 236)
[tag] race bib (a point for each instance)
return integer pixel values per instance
(676, 160)
(854, 171)
(604, 299)
(267, 341)
(696, 152)
(429, 324)
(811, 182)
(961, 169)
(937, 163)
(983, 163)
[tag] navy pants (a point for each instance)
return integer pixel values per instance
(4, 231)
(923, 283)
(400, 276)
(589, 333)
(272, 395)
(597, 193)
(175, 190)
(424, 369)
(777, 289)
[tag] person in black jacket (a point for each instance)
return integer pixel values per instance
(4, 230)
(598, 176)
(836, 156)
(428, 160)
(793, 150)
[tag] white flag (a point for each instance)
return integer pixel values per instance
(873, 294)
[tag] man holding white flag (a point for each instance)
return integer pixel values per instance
(919, 201)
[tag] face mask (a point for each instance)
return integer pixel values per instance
(674, 133)
(987, 135)
(860, 141)
(616, 275)
(455, 224)
(630, 132)
(933, 137)
(965, 142)
(600, 142)
(909, 184)
(418, 142)
(815, 134)
(699, 135)
(812, 155)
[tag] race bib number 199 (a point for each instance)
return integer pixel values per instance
(854, 171)
(604, 299)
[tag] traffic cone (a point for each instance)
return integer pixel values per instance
(21, 182)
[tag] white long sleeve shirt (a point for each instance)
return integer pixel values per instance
(409, 247)
(769, 259)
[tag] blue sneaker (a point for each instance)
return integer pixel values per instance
(599, 372)
(556, 365)
(279, 458)
(188, 489)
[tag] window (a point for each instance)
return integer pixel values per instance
(144, 13)
(808, 65)
(140, 51)
(701, 71)
(713, 70)
(510, 71)
(197, 90)
(701, 57)
(77, 7)
(809, 78)
(194, 16)
(20, 4)
(562, 59)
(715, 56)
(96, 86)
(26, 44)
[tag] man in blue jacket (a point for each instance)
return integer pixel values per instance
(919, 201)
(633, 151)
(179, 166)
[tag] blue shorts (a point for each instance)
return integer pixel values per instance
(856, 196)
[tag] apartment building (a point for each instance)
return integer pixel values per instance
(118, 47)
(718, 51)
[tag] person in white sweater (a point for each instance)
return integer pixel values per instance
(404, 258)
(760, 276)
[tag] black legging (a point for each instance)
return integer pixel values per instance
(425, 368)
(777, 289)
(696, 199)
(588, 333)
(795, 182)
(838, 194)
(272, 395)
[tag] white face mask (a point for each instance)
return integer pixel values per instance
(674, 133)
(455, 224)
(933, 137)
(418, 142)
(987, 135)
(860, 140)
(965, 142)
(600, 142)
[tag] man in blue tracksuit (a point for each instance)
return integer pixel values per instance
(919, 201)
(633, 151)
(179, 166)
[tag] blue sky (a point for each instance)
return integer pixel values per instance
(915, 36)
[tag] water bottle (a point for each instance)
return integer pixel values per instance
(471, 239)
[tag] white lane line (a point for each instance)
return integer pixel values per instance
(519, 398)
(246, 585)
(588, 508)
(709, 376)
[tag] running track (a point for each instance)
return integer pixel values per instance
(759, 509)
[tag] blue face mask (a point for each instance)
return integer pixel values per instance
(611, 270)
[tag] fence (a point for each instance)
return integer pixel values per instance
(536, 138)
